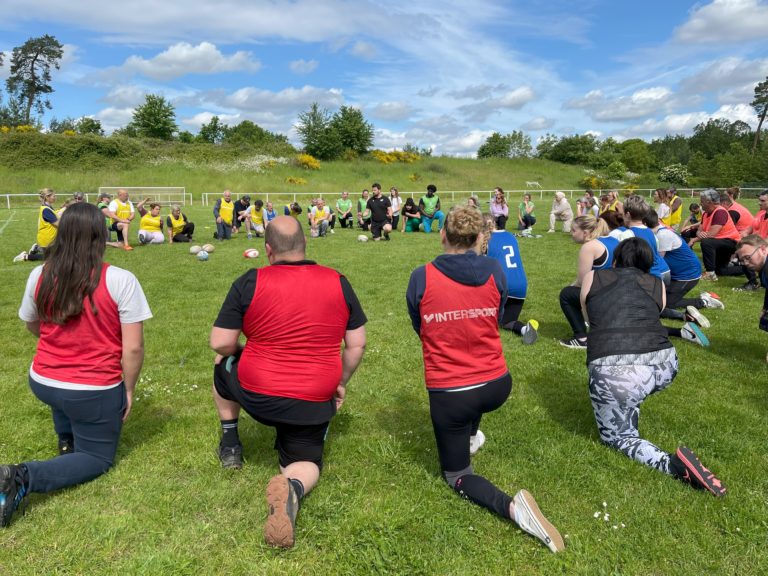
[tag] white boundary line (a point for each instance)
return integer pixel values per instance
(12, 214)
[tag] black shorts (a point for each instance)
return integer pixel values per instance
(377, 227)
(114, 228)
(295, 442)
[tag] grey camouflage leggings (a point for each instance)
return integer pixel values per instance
(616, 393)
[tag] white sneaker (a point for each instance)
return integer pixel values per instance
(692, 313)
(711, 302)
(531, 520)
(332, 232)
(476, 442)
(21, 257)
(550, 231)
(693, 333)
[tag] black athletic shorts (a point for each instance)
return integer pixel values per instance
(377, 227)
(300, 437)
(114, 228)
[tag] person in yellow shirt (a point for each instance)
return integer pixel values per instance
(47, 226)
(122, 213)
(224, 212)
(151, 226)
(179, 228)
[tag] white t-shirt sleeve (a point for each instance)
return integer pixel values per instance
(113, 206)
(28, 308)
(662, 210)
(125, 289)
(626, 234)
(667, 240)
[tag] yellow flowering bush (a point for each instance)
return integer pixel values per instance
(395, 156)
(414, 177)
(294, 180)
(308, 162)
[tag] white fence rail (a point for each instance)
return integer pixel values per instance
(33, 200)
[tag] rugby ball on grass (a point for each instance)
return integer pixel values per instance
(202, 255)
(209, 248)
(362, 238)
(194, 249)
(251, 253)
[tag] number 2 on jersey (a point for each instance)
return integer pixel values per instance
(510, 256)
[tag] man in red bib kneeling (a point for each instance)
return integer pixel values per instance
(264, 378)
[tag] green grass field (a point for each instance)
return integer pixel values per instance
(167, 507)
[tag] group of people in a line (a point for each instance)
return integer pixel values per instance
(456, 304)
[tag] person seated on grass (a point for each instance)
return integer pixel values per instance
(242, 217)
(675, 204)
(344, 210)
(293, 209)
(752, 251)
(103, 205)
(474, 202)
(596, 252)
(320, 219)
(499, 209)
(363, 214)
(224, 213)
(269, 213)
(526, 215)
(256, 219)
(263, 378)
(47, 226)
(122, 213)
(73, 300)
(661, 206)
(411, 216)
(502, 246)
(561, 212)
(630, 357)
(454, 304)
(151, 226)
(690, 226)
(179, 228)
(717, 235)
(429, 206)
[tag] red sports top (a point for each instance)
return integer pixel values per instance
(459, 332)
(87, 349)
(293, 345)
(727, 231)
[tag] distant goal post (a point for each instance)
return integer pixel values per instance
(165, 195)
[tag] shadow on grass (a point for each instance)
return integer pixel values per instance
(566, 400)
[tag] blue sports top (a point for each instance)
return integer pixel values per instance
(502, 246)
(659, 264)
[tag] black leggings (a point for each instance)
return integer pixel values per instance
(676, 292)
(570, 304)
(455, 417)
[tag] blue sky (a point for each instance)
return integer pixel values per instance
(442, 74)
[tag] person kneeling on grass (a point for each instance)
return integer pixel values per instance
(74, 298)
(299, 403)
(454, 304)
(47, 224)
(180, 229)
(502, 247)
(630, 357)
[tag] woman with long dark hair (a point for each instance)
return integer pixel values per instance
(88, 317)
(630, 357)
(454, 303)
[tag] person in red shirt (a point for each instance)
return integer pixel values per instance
(270, 377)
(74, 298)
(454, 303)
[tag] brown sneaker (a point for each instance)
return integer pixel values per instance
(283, 505)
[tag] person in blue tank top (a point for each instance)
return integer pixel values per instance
(685, 272)
(502, 246)
(635, 209)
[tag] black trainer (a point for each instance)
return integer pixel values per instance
(12, 492)
(747, 287)
(231, 456)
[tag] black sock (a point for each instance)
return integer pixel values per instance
(229, 436)
(298, 487)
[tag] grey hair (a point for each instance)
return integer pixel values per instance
(711, 195)
(175, 207)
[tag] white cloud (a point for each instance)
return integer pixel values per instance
(364, 50)
(184, 58)
(392, 111)
(538, 123)
(293, 100)
(512, 100)
(204, 117)
(725, 75)
(125, 96)
(729, 21)
(642, 103)
(114, 118)
(477, 91)
(685, 123)
(303, 66)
